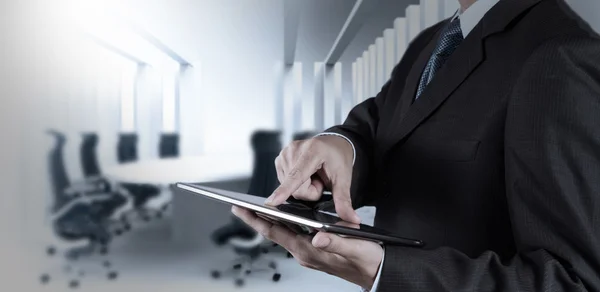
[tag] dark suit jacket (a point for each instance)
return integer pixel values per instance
(497, 165)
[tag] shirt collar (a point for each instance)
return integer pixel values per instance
(473, 15)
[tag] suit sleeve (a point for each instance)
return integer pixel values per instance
(360, 127)
(552, 170)
(362, 122)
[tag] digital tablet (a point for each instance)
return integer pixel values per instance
(300, 218)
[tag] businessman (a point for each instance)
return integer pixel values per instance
(485, 143)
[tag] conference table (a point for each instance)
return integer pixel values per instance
(192, 169)
(198, 169)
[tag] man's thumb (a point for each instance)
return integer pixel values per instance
(334, 244)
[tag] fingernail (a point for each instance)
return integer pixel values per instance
(269, 200)
(322, 242)
(234, 210)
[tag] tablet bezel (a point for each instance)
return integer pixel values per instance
(283, 216)
(262, 209)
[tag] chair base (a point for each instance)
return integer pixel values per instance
(74, 268)
(246, 266)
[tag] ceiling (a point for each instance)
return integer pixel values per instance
(322, 20)
(192, 27)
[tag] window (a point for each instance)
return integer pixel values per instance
(170, 96)
(128, 83)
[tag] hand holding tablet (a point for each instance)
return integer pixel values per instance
(299, 218)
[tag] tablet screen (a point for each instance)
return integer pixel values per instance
(298, 217)
(298, 210)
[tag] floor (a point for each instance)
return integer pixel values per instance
(152, 257)
(147, 260)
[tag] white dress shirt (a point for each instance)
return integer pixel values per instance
(468, 20)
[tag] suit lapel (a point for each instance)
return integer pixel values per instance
(412, 82)
(410, 86)
(454, 72)
(468, 56)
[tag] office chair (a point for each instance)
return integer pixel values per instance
(248, 245)
(266, 146)
(246, 242)
(169, 145)
(142, 194)
(89, 162)
(81, 223)
(64, 190)
(147, 201)
(93, 176)
(127, 147)
(89, 165)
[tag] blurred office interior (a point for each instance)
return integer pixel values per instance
(106, 104)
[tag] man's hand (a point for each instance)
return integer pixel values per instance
(353, 260)
(305, 168)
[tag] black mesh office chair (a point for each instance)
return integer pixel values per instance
(169, 145)
(81, 223)
(89, 163)
(246, 242)
(127, 148)
(266, 146)
(89, 160)
(141, 194)
(93, 176)
(64, 191)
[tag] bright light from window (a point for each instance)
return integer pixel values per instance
(128, 98)
(170, 77)
(104, 20)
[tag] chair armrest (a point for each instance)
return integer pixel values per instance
(239, 242)
(81, 200)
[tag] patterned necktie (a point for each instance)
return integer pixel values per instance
(449, 40)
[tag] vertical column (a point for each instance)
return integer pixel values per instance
(319, 96)
(390, 53)
(366, 75)
(170, 84)
(128, 80)
(372, 71)
(450, 7)
(413, 19)
(347, 85)
(86, 115)
(293, 101)
(289, 98)
(401, 37)
(431, 13)
(359, 95)
(354, 83)
(380, 66)
(279, 92)
(192, 126)
(308, 96)
(329, 97)
(149, 107)
(337, 93)
(297, 97)
(107, 110)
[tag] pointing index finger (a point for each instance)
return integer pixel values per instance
(304, 168)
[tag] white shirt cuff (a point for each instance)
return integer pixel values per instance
(376, 282)
(346, 138)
